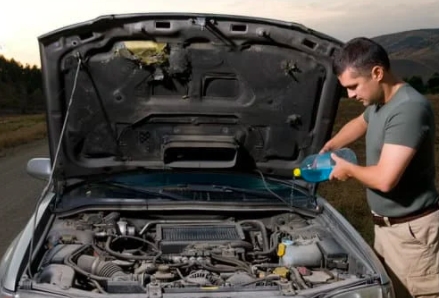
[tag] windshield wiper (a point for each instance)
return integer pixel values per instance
(140, 190)
(226, 188)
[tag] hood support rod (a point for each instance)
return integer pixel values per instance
(54, 164)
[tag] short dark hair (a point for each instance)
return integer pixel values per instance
(362, 54)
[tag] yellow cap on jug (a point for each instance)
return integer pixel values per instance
(296, 172)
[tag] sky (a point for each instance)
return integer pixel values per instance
(22, 21)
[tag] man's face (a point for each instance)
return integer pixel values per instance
(362, 87)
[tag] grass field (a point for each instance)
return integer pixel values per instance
(350, 197)
(17, 130)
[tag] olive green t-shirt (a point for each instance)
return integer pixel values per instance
(408, 120)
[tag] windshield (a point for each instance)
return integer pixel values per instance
(191, 186)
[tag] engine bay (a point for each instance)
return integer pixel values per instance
(116, 253)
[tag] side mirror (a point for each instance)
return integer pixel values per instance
(39, 168)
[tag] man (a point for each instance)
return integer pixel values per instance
(400, 166)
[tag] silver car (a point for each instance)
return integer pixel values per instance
(172, 142)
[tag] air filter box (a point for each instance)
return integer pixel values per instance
(334, 255)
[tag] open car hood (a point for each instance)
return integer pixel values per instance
(187, 91)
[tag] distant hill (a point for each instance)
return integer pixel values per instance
(413, 52)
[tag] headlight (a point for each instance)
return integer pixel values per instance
(376, 291)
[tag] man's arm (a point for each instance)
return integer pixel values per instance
(349, 133)
(386, 173)
(405, 130)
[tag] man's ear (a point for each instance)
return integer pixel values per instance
(377, 73)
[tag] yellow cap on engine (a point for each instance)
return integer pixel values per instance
(281, 249)
(281, 271)
(297, 172)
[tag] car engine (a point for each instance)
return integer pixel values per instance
(117, 253)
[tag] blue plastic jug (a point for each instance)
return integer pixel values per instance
(318, 167)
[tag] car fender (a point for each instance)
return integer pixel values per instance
(16, 257)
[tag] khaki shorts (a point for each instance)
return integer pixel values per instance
(410, 253)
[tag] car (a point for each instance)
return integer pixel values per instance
(173, 138)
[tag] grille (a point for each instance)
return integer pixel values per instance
(174, 238)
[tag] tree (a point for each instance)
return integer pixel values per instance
(433, 84)
(417, 83)
(20, 87)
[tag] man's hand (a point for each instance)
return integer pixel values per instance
(341, 170)
(327, 147)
